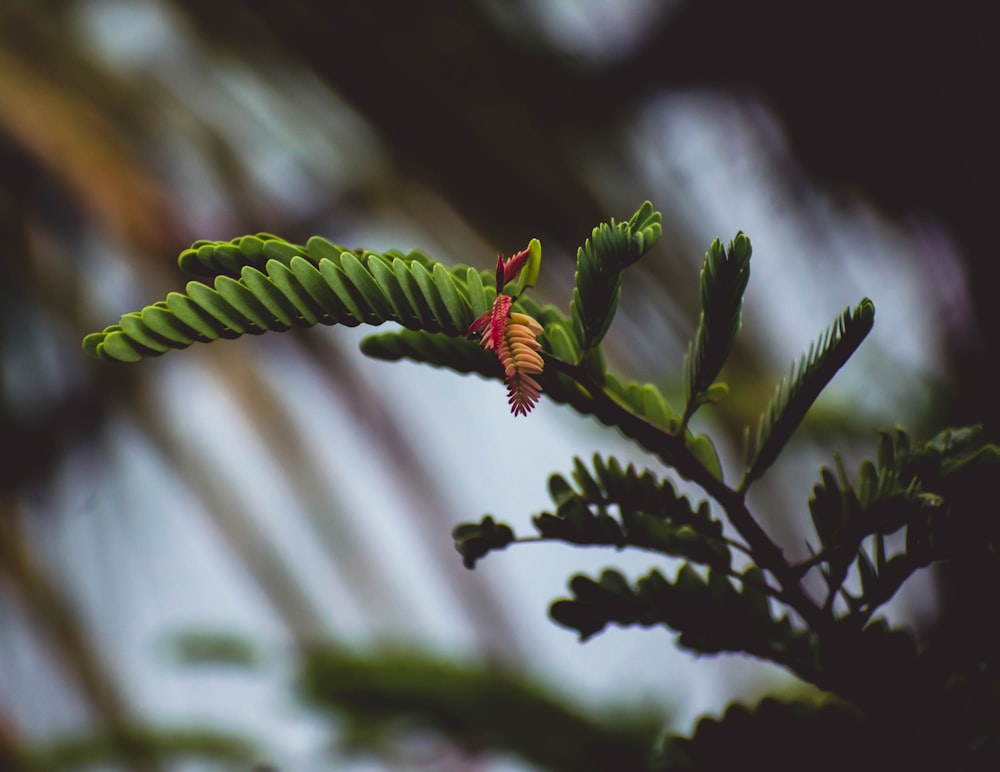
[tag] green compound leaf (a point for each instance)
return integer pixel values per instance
(622, 507)
(724, 279)
(262, 283)
(711, 614)
(796, 393)
(611, 248)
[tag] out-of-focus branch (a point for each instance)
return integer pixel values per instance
(55, 620)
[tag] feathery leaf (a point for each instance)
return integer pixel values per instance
(650, 514)
(724, 279)
(263, 283)
(611, 248)
(711, 614)
(795, 394)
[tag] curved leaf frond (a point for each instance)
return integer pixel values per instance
(795, 394)
(724, 279)
(262, 283)
(612, 506)
(611, 248)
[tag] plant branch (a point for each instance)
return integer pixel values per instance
(670, 448)
(860, 681)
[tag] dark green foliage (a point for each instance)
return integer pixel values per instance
(481, 709)
(922, 491)
(473, 540)
(724, 279)
(611, 248)
(795, 395)
(711, 614)
(795, 735)
(650, 515)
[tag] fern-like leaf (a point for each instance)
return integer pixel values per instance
(650, 514)
(795, 395)
(611, 248)
(612, 506)
(724, 279)
(262, 283)
(711, 614)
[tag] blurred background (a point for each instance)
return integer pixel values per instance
(280, 489)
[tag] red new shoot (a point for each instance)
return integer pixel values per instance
(513, 336)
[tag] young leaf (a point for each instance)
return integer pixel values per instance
(724, 279)
(796, 393)
(529, 274)
(611, 248)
